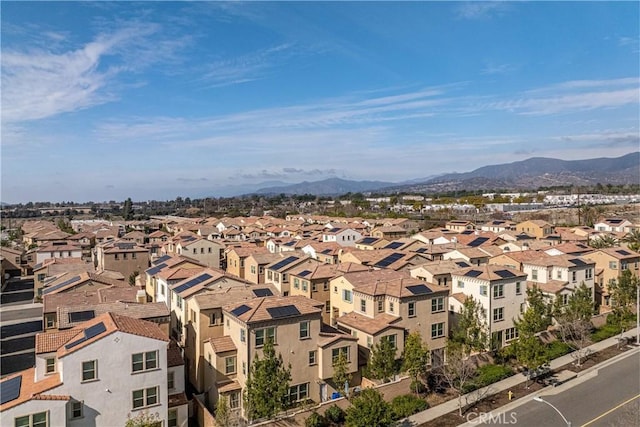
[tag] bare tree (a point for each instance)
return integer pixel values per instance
(574, 321)
(458, 372)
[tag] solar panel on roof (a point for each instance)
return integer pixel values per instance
(466, 232)
(393, 245)
(462, 264)
(577, 261)
(193, 282)
(615, 221)
(304, 273)
(505, 274)
(326, 251)
(81, 316)
(121, 245)
(89, 333)
(477, 242)
(156, 269)
(419, 289)
(285, 311)
(162, 259)
(239, 311)
(291, 243)
(421, 250)
(284, 262)
(60, 285)
(10, 389)
(368, 240)
(473, 273)
(385, 262)
(262, 292)
(623, 252)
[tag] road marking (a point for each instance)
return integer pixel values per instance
(610, 411)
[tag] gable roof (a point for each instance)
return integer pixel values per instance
(266, 308)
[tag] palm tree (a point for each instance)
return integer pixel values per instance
(603, 241)
(632, 239)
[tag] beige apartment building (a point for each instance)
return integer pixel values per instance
(610, 263)
(127, 258)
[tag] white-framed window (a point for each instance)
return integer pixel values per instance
(613, 265)
(565, 299)
(76, 409)
(230, 365)
(39, 419)
(346, 295)
(391, 306)
(437, 330)
(518, 288)
(264, 334)
(327, 306)
(510, 334)
(313, 357)
(559, 274)
(253, 269)
(212, 319)
(391, 339)
(534, 274)
(145, 397)
(574, 276)
(498, 314)
(523, 306)
(172, 418)
(234, 400)
(380, 306)
(460, 284)
(243, 336)
(498, 291)
(144, 361)
(437, 304)
(304, 330)
(305, 285)
(90, 370)
(363, 305)
(483, 290)
(588, 273)
(369, 342)
(411, 309)
(335, 352)
(171, 380)
(299, 392)
(244, 368)
(296, 283)
(51, 365)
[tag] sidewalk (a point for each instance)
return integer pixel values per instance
(507, 383)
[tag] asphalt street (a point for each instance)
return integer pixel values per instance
(606, 399)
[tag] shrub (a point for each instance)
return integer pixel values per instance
(607, 331)
(556, 349)
(417, 387)
(316, 420)
(404, 406)
(335, 414)
(488, 374)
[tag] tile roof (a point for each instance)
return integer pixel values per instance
(49, 342)
(229, 386)
(222, 344)
(489, 272)
(257, 310)
(177, 399)
(29, 388)
(368, 325)
(174, 355)
(398, 287)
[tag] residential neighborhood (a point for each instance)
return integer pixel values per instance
(194, 308)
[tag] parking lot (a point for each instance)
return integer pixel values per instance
(20, 321)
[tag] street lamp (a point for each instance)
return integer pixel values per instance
(539, 399)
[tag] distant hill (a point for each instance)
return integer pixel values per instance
(526, 174)
(327, 187)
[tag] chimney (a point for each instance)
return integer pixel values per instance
(141, 296)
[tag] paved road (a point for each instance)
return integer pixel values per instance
(607, 399)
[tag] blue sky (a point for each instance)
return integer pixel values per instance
(154, 100)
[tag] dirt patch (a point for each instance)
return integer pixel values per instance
(594, 358)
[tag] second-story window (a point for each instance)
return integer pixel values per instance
(380, 306)
(411, 309)
(51, 365)
(243, 337)
(171, 380)
(265, 334)
(230, 365)
(144, 361)
(518, 288)
(90, 370)
(498, 291)
(437, 305)
(363, 305)
(346, 295)
(304, 330)
(534, 274)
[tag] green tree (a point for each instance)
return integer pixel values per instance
(470, 331)
(369, 409)
(623, 298)
(603, 241)
(341, 375)
(540, 316)
(632, 239)
(415, 357)
(382, 360)
(574, 320)
(127, 210)
(144, 419)
(267, 386)
(223, 412)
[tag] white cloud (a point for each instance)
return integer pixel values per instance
(481, 9)
(491, 69)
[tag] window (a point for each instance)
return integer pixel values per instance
(518, 288)
(305, 285)
(76, 409)
(171, 380)
(243, 336)
(296, 283)
(230, 365)
(299, 392)
(172, 419)
(391, 339)
(144, 361)
(336, 351)
(460, 284)
(40, 419)
(510, 334)
(380, 306)
(559, 275)
(304, 330)
(327, 306)
(363, 305)
(89, 370)
(483, 290)
(369, 342)
(391, 306)
(573, 276)
(145, 397)
(437, 304)
(133, 255)
(212, 319)
(498, 291)
(325, 286)
(244, 368)
(412, 309)
(335, 289)
(313, 287)
(589, 273)
(234, 400)
(312, 357)
(193, 316)
(498, 314)
(266, 333)
(253, 269)
(346, 295)
(179, 301)
(51, 365)
(565, 299)
(534, 274)
(437, 330)
(522, 307)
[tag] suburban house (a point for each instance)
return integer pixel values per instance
(256, 263)
(127, 258)
(391, 232)
(500, 290)
(236, 257)
(371, 243)
(613, 225)
(207, 252)
(100, 373)
(276, 272)
(610, 263)
(437, 272)
(459, 225)
(341, 236)
(473, 256)
(535, 227)
(53, 267)
(59, 249)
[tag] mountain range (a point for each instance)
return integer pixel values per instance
(526, 174)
